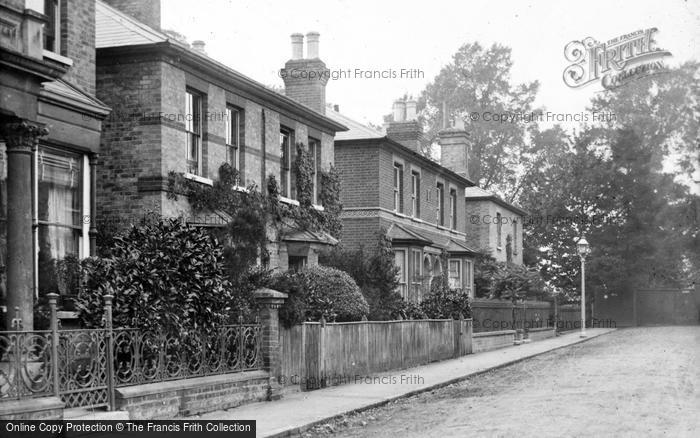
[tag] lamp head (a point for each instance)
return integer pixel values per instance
(582, 247)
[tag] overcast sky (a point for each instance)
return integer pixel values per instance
(252, 36)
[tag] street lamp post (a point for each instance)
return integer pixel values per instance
(583, 250)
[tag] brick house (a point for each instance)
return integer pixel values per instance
(494, 225)
(50, 124)
(177, 109)
(388, 184)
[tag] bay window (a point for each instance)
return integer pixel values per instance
(400, 262)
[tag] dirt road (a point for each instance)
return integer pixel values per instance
(633, 382)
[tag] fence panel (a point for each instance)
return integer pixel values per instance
(26, 368)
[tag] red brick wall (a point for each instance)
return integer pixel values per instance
(359, 172)
(78, 42)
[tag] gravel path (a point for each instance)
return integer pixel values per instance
(633, 382)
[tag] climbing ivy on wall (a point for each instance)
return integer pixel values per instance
(254, 214)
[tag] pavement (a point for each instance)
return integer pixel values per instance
(297, 412)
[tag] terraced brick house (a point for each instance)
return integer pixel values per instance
(388, 184)
(177, 109)
(50, 124)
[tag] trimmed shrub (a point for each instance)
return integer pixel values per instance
(165, 276)
(318, 291)
(376, 274)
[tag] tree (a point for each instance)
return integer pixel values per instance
(476, 87)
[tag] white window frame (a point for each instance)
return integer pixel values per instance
(398, 187)
(286, 178)
(233, 137)
(403, 275)
(460, 275)
(314, 149)
(453, 209)
(56, 26)
(415, 194)
(416, 255)
(193, 129)
(515, 236)
(440, 210)
(499, 230)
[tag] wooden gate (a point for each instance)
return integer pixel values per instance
(666, 307)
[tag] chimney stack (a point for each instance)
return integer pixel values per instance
(147, 12)
(456, 149)
(198, 46)
(305, 79)
(297, 46)
(404, 128)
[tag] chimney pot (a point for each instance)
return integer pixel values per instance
(312, 45)
(399, 110)
(297, 46)
(410, 110)
(198, 46)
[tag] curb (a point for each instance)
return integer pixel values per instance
(301, 429)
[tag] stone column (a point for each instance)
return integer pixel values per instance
(270, 301)
(21, 137)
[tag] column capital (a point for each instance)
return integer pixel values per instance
(21, 135)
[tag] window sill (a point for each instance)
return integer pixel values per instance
(289, 201)
(199, 179)
(58, 58)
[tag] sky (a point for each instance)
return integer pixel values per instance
(252, 37)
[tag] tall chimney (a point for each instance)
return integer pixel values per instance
(455, 149)
(312, 45)
(410, 109)
(403, 129)
(145, 11)
(399, 110)
(297, 46)
(305, 79)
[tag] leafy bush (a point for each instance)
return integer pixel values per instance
(318, 291)
(516, 282)
(376, 274)
(485, 269)
(443, 302)
(165, 276)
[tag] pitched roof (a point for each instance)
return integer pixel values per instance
(479, 194)
(61, 91)
(399, 233)
(356, 129)
(114, 28)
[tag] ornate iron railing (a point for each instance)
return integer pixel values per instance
(84, 366)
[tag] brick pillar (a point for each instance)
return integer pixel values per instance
(21, 138)
(270, 301)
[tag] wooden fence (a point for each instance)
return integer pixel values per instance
(315, 354)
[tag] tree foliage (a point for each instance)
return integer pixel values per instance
(477, 82)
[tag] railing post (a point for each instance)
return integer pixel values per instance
(110, 350)
(241, 341)
(269, 302)
(53, 300)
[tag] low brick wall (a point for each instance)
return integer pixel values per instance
(538, 334)
(44, 408)
(485, 341)
(192, 396)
